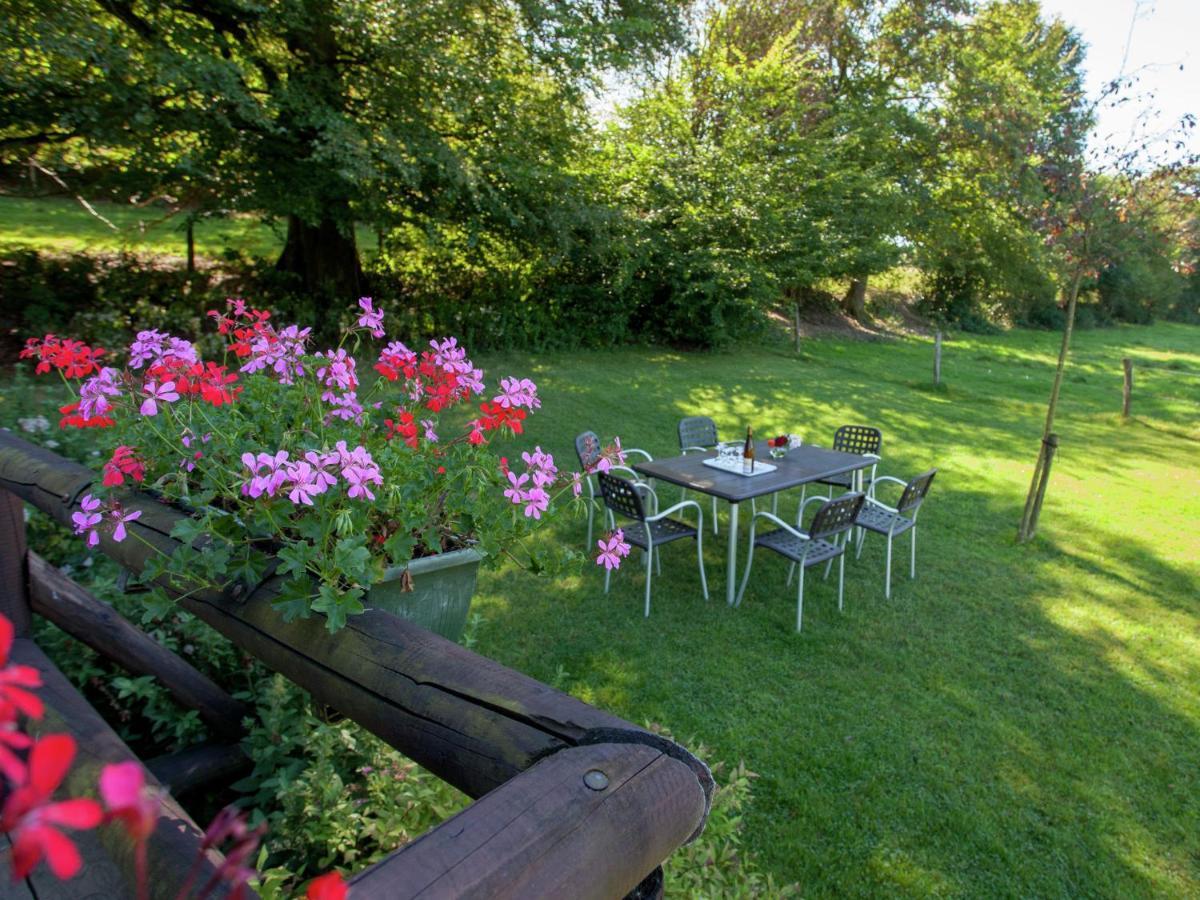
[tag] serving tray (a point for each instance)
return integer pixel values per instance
(734, 466)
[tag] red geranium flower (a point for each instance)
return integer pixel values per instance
(124, 462)
(123, 788)
(329, 886)
(14, 679)
(33, 821)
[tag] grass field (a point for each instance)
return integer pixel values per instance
(61, 225)
(1020, 720)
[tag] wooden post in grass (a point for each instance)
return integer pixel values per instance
(937, 359)
(796, 325)
(191, 245)
(1127, 392)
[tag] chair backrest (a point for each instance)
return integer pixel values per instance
(697, 431)
(836, 516)
(858, 439)
(587, 448)
(622, 497)
(915, 491)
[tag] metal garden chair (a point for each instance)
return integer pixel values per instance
(861, 439)
(698, 434)
(819, 544)
(893, 520)
(649, 532)
(588, 448)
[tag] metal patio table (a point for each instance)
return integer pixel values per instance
(800, 466)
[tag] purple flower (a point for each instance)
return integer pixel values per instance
(154, 392)
(517, 393)
(515, 491)
(371, 318)
(121, 518)
(448, 355)
(88, 519)
(305, 484)
(94, 393)
(280, 352)
(576, 483)
(612, 550)
(153, 345)
(541, 466)
(430, 434)
(359, 470)
(268, 473)
(537, 501)
(338, 373)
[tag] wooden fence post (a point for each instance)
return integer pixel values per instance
(1127, 392)
(14, 580)
(796, 325)
(937, 359)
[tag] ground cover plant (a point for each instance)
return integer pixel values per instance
(1019, 720)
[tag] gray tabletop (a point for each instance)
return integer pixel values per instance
(800, 466)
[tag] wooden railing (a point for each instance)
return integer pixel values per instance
(579, 803)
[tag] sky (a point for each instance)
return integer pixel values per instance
(1161, 40)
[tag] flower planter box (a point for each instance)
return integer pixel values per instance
(440, 600)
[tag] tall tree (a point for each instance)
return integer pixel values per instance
(322, 112)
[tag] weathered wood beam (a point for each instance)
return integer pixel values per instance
(14, 579)
(199, 766)
(110, 869)
(74, 610)
(588, 822)
(468, 719)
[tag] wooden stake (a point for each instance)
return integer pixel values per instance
(937, 359)
(796, 325)
(1127, 393)
(191, 247)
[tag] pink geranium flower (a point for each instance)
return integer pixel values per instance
(155, 392)
(123, 790)
(120, 519)
(612, 550)
(86, 519)
(371, 318)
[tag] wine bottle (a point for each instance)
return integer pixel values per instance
(748, 454)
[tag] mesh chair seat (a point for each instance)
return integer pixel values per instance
(874, 517)
(661, 532)
(793, 547)
(843, 481)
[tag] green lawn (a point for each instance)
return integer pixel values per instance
(60, 224)
(1020, 720)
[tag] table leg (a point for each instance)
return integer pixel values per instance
(731, 562)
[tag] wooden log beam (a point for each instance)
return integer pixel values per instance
(110, 869)
(74, 610)
(468, 719)
(14, 579)
(199, 766)
(588, 822)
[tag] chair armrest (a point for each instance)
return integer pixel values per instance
(678, 506)
(778, 521)
(625, 470)
(898, 481)
(628, 450)
(871, 501)
(686, 450)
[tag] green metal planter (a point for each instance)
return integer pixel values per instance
(441, 596)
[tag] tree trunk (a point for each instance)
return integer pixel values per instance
(1037, 488)
(324, 259)
(855, 301)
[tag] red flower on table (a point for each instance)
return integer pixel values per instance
(33, 821)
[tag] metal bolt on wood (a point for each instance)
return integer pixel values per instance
(596, 780)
